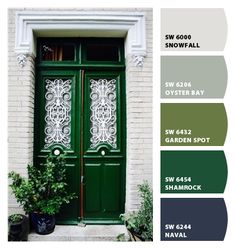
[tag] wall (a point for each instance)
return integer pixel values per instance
(139, 121)
(20, 109)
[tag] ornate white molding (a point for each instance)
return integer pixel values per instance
(30, 24)
(138, 60)
(21, 58)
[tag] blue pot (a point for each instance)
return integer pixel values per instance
(43, 223)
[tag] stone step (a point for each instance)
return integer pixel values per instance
(86, 233)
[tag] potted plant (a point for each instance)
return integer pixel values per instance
(140, 223)
(18, 227)
(43, 193)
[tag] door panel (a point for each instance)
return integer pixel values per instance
(57, 128)
(103, 191)
(70, 212)
(82, 113)
(56, 105)
(104, 145)
(111, 187)
(102, 123)
(93, 182)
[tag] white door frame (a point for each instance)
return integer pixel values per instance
(30, 24)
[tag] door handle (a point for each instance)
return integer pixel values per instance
(82, 180)
(56, 152)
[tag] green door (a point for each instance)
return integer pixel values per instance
(80, 111)
(104, 154)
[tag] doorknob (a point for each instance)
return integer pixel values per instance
(56, 152)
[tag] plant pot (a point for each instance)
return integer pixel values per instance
(18, 231)
(43, 223)
(134, 236)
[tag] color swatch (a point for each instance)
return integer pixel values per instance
(193, 219)
(193, 77)
(197, 77)
(193, 171)
(193, 124)
(193, 29)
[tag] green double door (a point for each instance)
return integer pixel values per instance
(81, 112)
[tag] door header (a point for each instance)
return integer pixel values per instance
(31, 24)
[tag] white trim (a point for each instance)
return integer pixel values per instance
(21, 58)
(81, 23)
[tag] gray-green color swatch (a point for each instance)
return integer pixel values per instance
(193, 77)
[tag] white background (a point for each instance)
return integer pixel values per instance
(229, 100)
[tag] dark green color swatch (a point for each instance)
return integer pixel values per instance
(191, 124)
(193, 171)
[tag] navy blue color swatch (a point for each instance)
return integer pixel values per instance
(193, 219)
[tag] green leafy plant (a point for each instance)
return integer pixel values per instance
(44, 191)
(18, 227)
(141, 221)
(121, 237)
(15, 218)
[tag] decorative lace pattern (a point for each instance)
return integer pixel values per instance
(58, 113)
(103, 112)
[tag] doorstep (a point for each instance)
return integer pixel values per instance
(80, 233)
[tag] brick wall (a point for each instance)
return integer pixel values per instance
(139, 121)
(139, 115)
(20, 109)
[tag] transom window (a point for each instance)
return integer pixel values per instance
(81, 50)
(57, 52)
